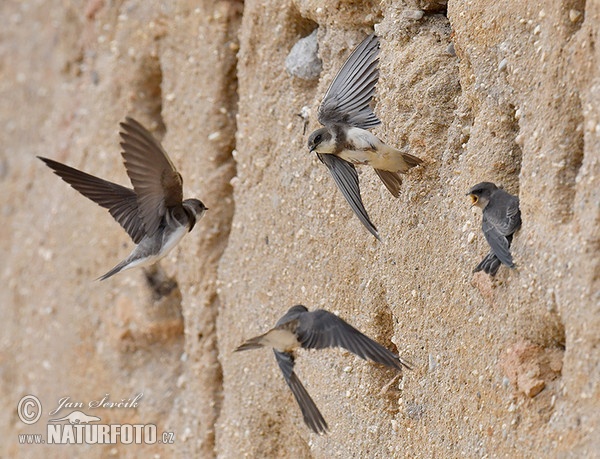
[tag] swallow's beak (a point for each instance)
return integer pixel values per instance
(311, 149)
(474, 199)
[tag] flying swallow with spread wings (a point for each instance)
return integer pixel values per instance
(153, 213)
(345, 141)
(301, 328)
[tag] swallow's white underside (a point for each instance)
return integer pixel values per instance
(168, 245)
(282, 340)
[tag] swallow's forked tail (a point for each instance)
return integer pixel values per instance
(252, 343)
(411, 160)
(114, 271)
(489, 265)
(391, 180)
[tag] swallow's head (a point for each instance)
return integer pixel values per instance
(298, 308)
(321, 141)
(293, 313)
(196, 208)
(480, 194)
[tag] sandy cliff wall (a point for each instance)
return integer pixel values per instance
(504, 367)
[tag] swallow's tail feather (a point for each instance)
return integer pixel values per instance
(489, 265)
(115, 270)
(411, 160)
(252, 343)
(391, 180)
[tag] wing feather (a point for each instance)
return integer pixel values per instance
(311, 414)
(349, 95)
(501, 218)
(321, 329)
(346, 178)
(155, 179)
(121, 202)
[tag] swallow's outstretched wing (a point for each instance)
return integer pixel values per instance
(346, 178)
(312, 416)
(155, 180)
(120, 201)
(349, 95)
(320, 329)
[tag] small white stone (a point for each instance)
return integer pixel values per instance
(415, 15)
(518, 114)
(432, 362)
(574, 15)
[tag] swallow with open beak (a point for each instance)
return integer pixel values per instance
(153, 213)
(319, 329)
(501, 218)
(345, 141)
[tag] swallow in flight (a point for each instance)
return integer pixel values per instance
(153, 213)
(345, 141)
(300, 328)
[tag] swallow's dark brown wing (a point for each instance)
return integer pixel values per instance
(501, 218)
(320, 329)
(346, 178)
(120, 201)
(312, 416)
(348, 97)
(155, 180)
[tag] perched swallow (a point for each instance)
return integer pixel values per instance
(153, 213)
(345, 141)
(501, 218)
(316, 330)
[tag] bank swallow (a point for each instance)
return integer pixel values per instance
(501, 218)
(344, 141)
(316, 330)
(153, 213)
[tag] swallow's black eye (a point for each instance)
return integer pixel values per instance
(318, 139)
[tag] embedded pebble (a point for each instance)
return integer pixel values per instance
(432, 362)
(415, 15)
(303, 60)
(574, 15)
